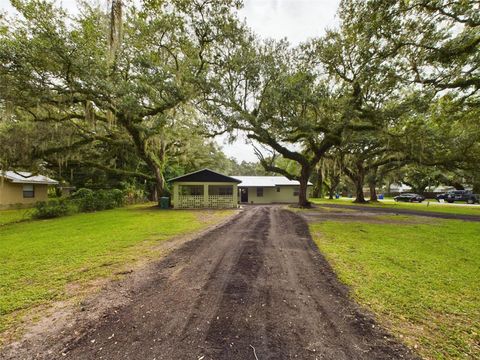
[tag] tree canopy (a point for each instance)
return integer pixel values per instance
(137, 93)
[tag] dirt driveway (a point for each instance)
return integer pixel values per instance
(255, 288)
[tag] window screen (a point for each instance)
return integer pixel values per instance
(259, 191)
(28, 191)
(296, 191)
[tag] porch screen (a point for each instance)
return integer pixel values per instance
(191, 189)
(220, 190)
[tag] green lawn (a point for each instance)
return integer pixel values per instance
(422, 280)
(15, 215)
(431, 205)
(39, 258)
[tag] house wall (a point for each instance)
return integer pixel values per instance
(206, 201)
(270, 195)
(12, 194)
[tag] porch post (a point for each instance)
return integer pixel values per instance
(235, 195)
(175, 199)
(205, 195)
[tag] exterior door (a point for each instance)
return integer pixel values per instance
(244, 195)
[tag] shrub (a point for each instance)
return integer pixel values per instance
(118, 197)
(108, 199)
(85, 199)
(134, 193)
(89, 200)
(53, 208)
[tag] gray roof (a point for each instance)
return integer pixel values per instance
(266, 181)
(22, 177)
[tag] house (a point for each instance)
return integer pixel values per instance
(23, 188)
(204, 189)
(269, 190)
(209, 189)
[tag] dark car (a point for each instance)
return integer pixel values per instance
(443, 196)
(409, 197)
(460, 195)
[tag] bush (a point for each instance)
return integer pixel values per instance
(89, 200)
(108, 199)
(133, 193)
(53, 208)
(85, 199)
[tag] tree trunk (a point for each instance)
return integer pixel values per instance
(154, 192)
(359, 180)
(373, 191)
(302, 196)
(318, 189)
(331, 192)
(159, 184)
(359, 197)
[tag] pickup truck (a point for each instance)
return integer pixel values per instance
(460, 195)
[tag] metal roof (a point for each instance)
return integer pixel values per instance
(266, 181)
(23, 177)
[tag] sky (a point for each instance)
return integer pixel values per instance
(296, 20)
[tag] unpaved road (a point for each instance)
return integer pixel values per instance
(387, 210)
(257, 282)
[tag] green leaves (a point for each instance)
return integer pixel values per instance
(120, 76)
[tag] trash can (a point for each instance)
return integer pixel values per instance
(337, 196)
(164, 202)
(380, 197)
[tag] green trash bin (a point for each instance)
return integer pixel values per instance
(164, 202)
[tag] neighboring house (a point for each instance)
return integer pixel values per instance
(399, 188)
(23, 188)
(209, 189)
(269, 189)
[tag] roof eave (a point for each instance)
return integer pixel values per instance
(34, 182)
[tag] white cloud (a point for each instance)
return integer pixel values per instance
(296, 20)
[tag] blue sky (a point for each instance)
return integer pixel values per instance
(296, 20)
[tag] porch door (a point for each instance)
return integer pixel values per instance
(244, 195)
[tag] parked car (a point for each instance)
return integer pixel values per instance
(460, 195)
(443, 196)
(408, 197)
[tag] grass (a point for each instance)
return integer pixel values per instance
(422, 280)
(430, 206)
(14, 215)
(38, 259)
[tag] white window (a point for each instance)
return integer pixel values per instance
(259, 191)
(296, 191)
(28, 191)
